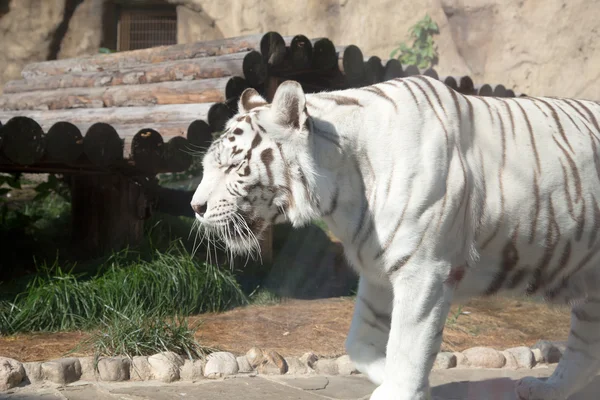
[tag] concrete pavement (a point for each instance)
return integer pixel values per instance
(451, 384)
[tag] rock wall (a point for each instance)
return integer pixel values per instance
(26, 34)
(84, 33)
(539, 47)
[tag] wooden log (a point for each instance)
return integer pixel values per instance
(451, 82)
(200, 91)
(301, 50)
(108, 213)
(177, 155)
(411, 70)
(352, 64)
(131, 59)
(147, 151)
(83, 118)
(466, 86)
(324, 55)
(23, 141)
(374, 70)
(199, 135)
(500, 91)
(64, 143)
(485, 90)
(235, 87)
(102, 145)
(272, 48)
(393, 69)
(255, 68)
(431, 73)
(218, 116)
(181, 70)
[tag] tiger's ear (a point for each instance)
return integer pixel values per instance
(289, 104)
(250, 99)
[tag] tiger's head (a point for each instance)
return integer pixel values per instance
(258, 172)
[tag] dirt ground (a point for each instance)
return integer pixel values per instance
(294, 327)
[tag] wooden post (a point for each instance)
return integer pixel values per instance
(108, 213)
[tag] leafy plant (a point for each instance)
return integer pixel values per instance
(52, 185)
(12, 181)
(423, 52)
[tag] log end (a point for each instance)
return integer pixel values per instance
(64, 143)
(147, 150)
(102, 145)
(485, 90)
(23, 141)
(199, 136)
(177, 154)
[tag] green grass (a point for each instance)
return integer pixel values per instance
(264, 297)
(171, 282)
(137, 333)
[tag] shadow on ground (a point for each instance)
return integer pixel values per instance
(499, 388)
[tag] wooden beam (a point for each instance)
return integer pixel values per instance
(132, 59)
(142, 116)
(182, 92)
(170, 71)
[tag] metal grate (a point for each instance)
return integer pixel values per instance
(144, 28)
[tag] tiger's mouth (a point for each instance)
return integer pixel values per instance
(240, 233)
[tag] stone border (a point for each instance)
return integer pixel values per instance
(170, 367)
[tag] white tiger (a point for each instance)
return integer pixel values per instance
(436, 197)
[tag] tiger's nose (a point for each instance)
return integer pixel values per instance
(199, 209)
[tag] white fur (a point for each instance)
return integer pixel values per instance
(427, 186)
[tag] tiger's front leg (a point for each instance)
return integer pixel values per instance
(421, 301)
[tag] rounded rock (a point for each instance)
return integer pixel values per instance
(255, 357)
(140, 369)
(33, 371)
(165, 366)
(523, 356)
(62, 371)
(113, 369)
(461, 360)
(484, 357)
(273, 364)
(296, 367)
(538, 357)
(88, 369)
(309, 359)
(244, 366)
(327, 366)
(444, 360)
(11, 373)
(551, 351)
(345, 365)
(511, 361)
(192, 370)
(220, 364)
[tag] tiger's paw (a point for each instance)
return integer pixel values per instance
(535, 389)
(389, 391)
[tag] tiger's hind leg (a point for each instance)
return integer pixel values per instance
(580, 363)
(370, 328)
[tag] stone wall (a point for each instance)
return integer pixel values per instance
(539, 47)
